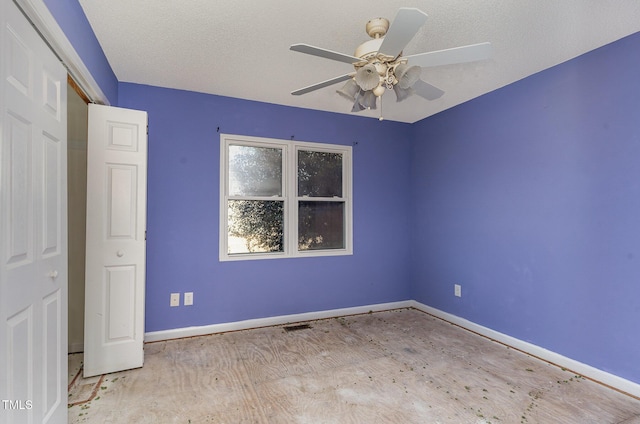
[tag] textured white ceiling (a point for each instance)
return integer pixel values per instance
(241, 48)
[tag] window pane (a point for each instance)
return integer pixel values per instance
(319, 174)
(255, 171)
(255, 226)
(320, 225)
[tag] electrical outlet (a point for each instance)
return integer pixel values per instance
(188, 298)
(175, 299)
(457, 290)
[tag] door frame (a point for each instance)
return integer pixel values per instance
(44, 22)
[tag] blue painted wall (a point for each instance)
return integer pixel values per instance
(183, 202)
(529, 197)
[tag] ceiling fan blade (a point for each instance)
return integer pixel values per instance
(426, 90)
(327, 54)
(404, 27)
(461, 54)
(322, 84)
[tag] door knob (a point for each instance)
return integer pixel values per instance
(120, 253)
(53, 275)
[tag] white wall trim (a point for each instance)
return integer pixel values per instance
(598, 375)
(178, 333)
(44, 22)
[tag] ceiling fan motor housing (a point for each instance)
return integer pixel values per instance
(369, 49)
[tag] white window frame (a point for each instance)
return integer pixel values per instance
(290, 197)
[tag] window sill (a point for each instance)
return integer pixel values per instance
(302, 254)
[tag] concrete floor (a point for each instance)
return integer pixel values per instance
(401, 366)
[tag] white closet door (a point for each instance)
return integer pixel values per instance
(33, 226)
(116, 247)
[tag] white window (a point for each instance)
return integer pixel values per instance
(283, 198)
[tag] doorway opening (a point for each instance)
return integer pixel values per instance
(77, 130)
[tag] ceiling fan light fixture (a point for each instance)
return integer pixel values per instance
(407, 75)
(349, 90)
(357, 107)
(379, 90)
(402, 93)
(367, 77)
(368, 100)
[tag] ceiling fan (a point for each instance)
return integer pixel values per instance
(379, 64)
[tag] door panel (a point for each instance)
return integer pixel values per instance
(20, 361)
(51, 95)
(120, 286)
(51, 164)
(122, 212)
(52, 353)
(116, 222)
(19, 60)
(18, 177)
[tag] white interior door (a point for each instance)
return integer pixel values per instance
(116, 224)
(33, 226)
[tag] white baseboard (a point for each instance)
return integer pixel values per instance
(603, 377)
(178, 333)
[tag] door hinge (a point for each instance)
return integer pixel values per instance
(145, 235)
(147, 129)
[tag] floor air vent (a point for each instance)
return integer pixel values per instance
(297, 327)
